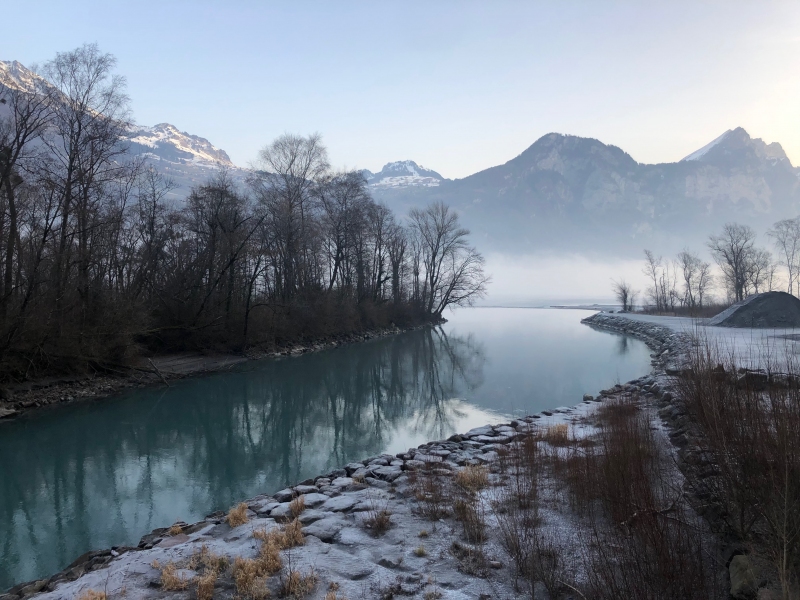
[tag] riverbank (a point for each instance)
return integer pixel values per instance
(427, 549)
(18, 399)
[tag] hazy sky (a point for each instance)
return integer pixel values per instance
(457, 86)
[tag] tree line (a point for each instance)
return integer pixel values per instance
(744, 269)
(99, 264)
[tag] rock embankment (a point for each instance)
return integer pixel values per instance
(17, 399)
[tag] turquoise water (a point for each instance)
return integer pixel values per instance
(103, 473)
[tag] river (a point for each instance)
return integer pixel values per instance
(101, 473)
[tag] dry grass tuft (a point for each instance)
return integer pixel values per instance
(423, 534)
(431, 492)
(292, 535)
(556, 435)
(92, 595)
(420, 552)
(175, 529)
(205, 585)
(472, 478)
(297, 506)
(206, 560)
(296, 585)
(237, 515)
(171, 580)
(250, 577)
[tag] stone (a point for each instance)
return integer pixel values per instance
(341, 482)
(325, 529)
(282, 512)
(743, 578)
(588, 398)
(339, 504)
(387, 473)
(391, 562)
(284, 495)
(414, 464)
(314, 500)
(311, 515)
(305, 489)
(485, 430)
(7, 412)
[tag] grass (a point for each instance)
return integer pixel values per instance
(751, 432)
(472, 478)
(171, 580)
(420, 552)
(556, 435)
(297, 506)
(431, 491)
(92, 595)
(295, 584)
(237, 515)
(176, 529)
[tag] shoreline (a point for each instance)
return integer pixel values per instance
(480, 446)
(21, 399)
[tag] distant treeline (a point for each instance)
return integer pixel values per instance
(98, 265)
(685, 284)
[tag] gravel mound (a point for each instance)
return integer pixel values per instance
(767, 310)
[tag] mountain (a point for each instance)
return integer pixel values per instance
(187, 159)
(568, 193)
(403, 174)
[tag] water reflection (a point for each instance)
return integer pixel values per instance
(103, 473)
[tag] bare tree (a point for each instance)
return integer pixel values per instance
(652, 270)
(625, 294)
(696, 277)
(27, 117)
(453, 270)
(287, 172)
(786, 238)
(90, 113)
(734, 252)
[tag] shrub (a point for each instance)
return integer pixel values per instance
(237, 515)
(472, 478)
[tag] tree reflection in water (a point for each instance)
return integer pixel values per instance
(99, 474)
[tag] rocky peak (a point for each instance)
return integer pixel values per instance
(165, 137)
(15, 75)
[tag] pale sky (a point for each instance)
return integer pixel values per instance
(457, 86)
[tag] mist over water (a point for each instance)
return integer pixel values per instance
(102, 473)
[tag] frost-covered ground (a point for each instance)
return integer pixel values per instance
(751, 348)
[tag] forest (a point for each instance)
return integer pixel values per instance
(100, 264)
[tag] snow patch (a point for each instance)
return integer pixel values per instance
(698, 154)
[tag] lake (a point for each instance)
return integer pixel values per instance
(102, 473)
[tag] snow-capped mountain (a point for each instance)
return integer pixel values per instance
(735, 144)
(187, 159)
(165, 141)
(13, 74)
(571, 193)
(404, 173)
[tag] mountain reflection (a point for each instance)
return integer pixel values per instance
(99, 474)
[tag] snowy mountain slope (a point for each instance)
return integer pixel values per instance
(698, 154)
(188, 159)
(404, 173)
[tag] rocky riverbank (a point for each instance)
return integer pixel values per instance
(426, 523)
(17, 399)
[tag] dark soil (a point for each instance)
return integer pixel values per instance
(767, 310)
